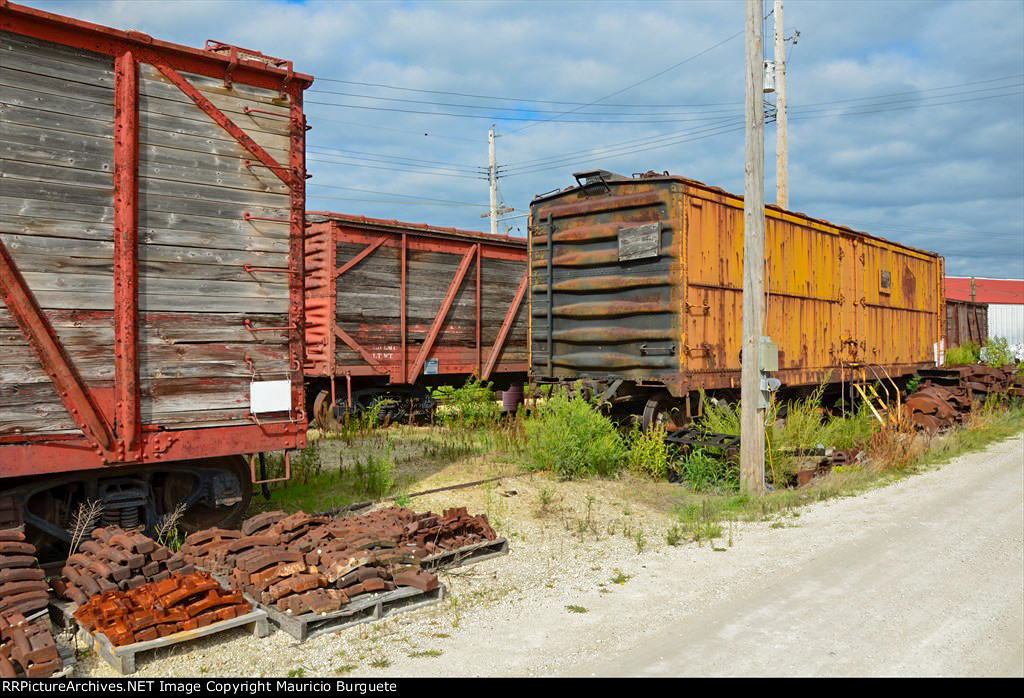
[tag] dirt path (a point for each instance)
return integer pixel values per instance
(925, 577)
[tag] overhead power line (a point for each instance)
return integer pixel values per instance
(389, 193)
(320, 158)
(517, 99)
(530, 100)
(513, 109)
(324, 157)
(318, 148)
(672, 142)
(507, 118)
(629, 87)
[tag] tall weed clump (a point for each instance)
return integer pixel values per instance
(471, 406)
(649, 454)
(707, 470)
(570, 437)
(967, 353)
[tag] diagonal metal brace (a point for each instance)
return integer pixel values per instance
(510, 316)
(220, 117)
(54, 359)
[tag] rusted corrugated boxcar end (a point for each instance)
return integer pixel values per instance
(636, 286)
(151, 270)
(393, 308)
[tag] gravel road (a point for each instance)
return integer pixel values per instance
(924, 577)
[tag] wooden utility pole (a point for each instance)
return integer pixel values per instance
(781, 118)
(492, 176)
(752, 418)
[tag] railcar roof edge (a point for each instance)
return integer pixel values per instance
(420, 228)
(11, 12)
(619, 179)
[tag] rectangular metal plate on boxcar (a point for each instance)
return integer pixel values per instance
(640, 242)
(430, 368)
(270, 396)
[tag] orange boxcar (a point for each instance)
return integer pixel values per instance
(639, 280)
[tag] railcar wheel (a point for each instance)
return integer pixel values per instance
(216, 493)
(661, 410)
(323, 412)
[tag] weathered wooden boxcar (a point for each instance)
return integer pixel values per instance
(393, 308)
(966, 322)
(152, 216)
(640, 281)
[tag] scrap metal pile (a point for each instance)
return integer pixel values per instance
(302, 563)
(158, 609)
(116, 559)
(947, 395)
(26, 646)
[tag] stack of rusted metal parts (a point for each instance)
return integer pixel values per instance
(158, 609)
(454, 529)
(26, 646)
(946, 401)
(982, 380)
(302, 563)
(116, 559)
(935, 407)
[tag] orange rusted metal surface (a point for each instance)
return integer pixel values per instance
(641, 279)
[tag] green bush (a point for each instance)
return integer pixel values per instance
(648, 452)
(472, 406)
(997, 353)
(568, 436)
(966, 353)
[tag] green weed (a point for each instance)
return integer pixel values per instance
(568, 436)
(649, 454)
(471, 406)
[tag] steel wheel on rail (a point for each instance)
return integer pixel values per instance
(323, 412)
(662, 410)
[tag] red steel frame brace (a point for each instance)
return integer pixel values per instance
(127, 396)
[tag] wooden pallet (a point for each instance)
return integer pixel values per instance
(123, 658)
(468, 555)
(365, 608)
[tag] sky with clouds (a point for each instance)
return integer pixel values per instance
(906, 120)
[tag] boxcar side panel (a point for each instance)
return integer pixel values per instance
(835, 298)
(362, 330)
(193, 288)
(966, 322)
(71, 274)
(803, 279)
(900, 304)
(168, 270)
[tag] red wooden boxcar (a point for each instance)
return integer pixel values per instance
(392, 308)
(150, 267)
(966, 322)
